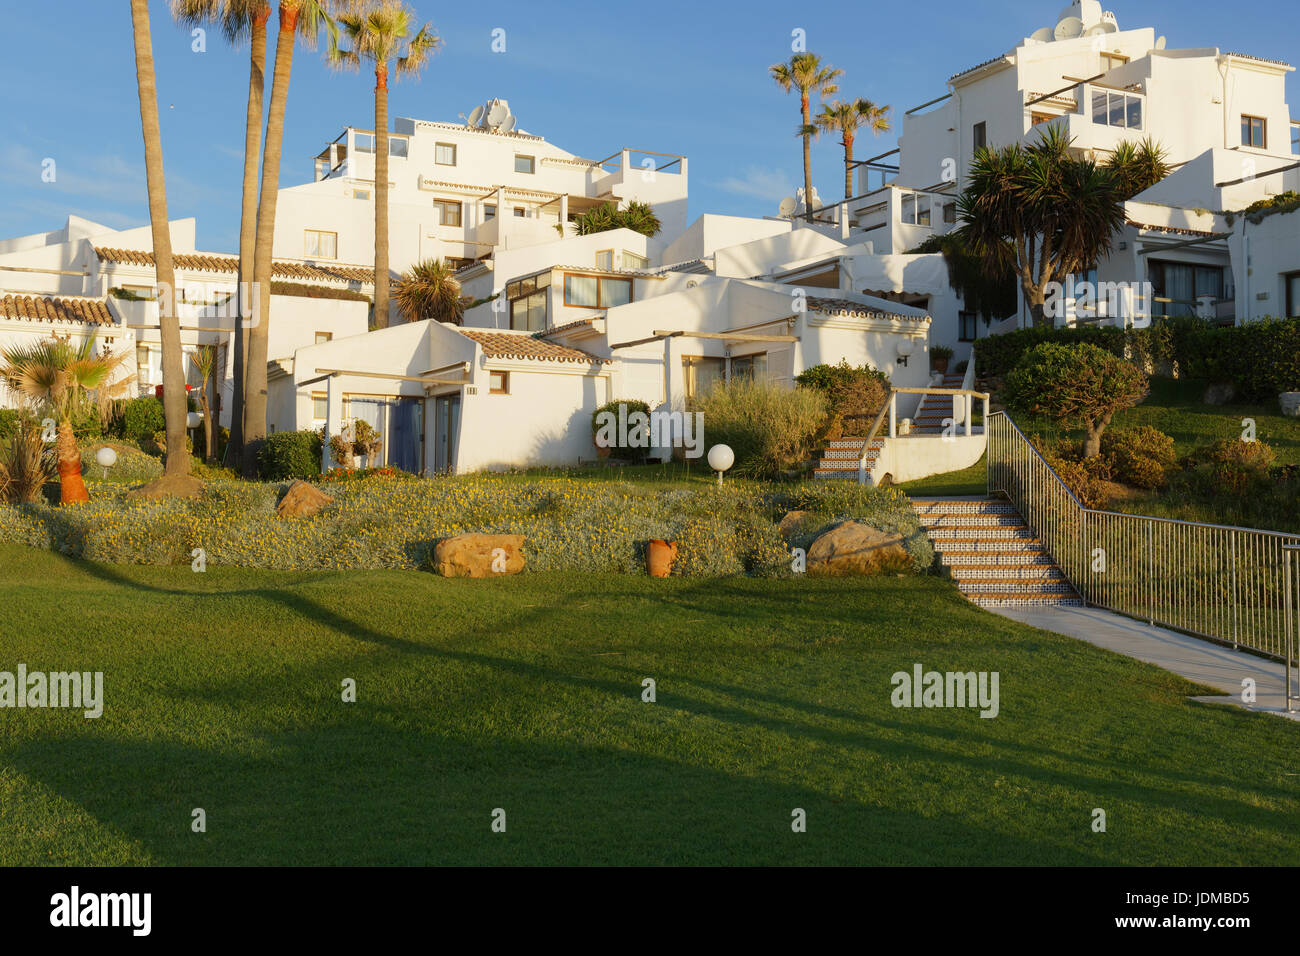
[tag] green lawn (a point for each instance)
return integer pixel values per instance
(223, 692)
(970, 481)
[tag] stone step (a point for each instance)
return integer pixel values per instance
(981, 533)
(854, 443)
(1025, 600)
(975, 561)
(1016, 588)
(847, 454)
(964, 546)
(970, 521)
(989, 507)
(822, 474)
(1008, 574)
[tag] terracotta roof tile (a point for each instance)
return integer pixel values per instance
(521, 345)
(858, 309)
(50, 309)
(1175, 230)
(199, 262)
(567, 326)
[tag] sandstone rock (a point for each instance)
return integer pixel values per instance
(479, 555)
(1290, 404)
(302, 501)
(792, 523)
(1219, 394)
(856, 548)
(168, 486)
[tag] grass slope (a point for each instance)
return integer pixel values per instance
(223, 692)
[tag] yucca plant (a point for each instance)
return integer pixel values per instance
(26, 465)
(65, 381)
(637, 216)
(429, 290)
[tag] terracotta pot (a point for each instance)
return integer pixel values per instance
(659, 558)
(601, 450)
(940, 365)
(71, 487)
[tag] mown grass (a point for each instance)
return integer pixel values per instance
(223, 693)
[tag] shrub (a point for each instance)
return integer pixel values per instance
(26, 465)
(771, 429)
(636, 433)
(159, 442)
(286, 455)
(1250, 456)
(854, 395)
(1262, 359)
(1140, 456)
(997, 355)
(1085, 478)
(10, 419)
(1082, 385)
(143, 418)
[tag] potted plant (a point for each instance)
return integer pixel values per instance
(940, 356)
(365, 441)
(341, 451)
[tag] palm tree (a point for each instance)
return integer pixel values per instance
(175, 406)
(66, 381)
(1040, 211)
(806, 74)
(379, 32)
(428, 290)
(846, 118)
(1136, 167)
(203, 362)
(240, 20)
(298, 18)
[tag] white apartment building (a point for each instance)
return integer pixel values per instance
(1221, 116)
(465, 192)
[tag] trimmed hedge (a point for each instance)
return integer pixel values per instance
(1262, 359)
(287, 455)
(143, 418)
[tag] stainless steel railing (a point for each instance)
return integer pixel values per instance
(1235, 585)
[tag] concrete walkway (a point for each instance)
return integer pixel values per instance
(1197, 660)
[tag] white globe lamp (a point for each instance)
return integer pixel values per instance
(721, 458)
(193, 420)
(106, 458)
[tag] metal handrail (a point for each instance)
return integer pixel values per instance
(871, 436)
(1220, 582)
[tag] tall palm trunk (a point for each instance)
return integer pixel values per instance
(807, 159)
(848, 166)
(175, 407)
(255, 391)
(248, 227)
(381, 196)
(71, 486)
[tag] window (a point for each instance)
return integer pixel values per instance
(361, 194)
(142, 362)
(320, 406)
(519, 212)
(499, 383)
(633, 261)
(525, 164)
(444, 154)
(365, 142)
(527, 299)
(397, 146)
(981, 136)
(1123, 110)
(489, 211)
(916, 209)
(1181, 284)
(605, 259)
(751, 368)
(950, 212)
(323, 337)
(596, 292)
(1254, 132)
(966, 328)
(448, 212)
(143, 291)
(700, 373)
(1292, 281)
(1111, 60)
(322, 245)
(1037, 119)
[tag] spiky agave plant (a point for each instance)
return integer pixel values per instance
(65, 380)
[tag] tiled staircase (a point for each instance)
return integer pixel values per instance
(935, 408)
(839, 460)
(992, 555)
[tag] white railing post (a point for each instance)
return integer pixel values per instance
(893, 414)
(970, 406)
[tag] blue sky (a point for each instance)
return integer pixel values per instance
(673, 76)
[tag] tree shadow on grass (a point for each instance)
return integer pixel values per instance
(924, 740)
